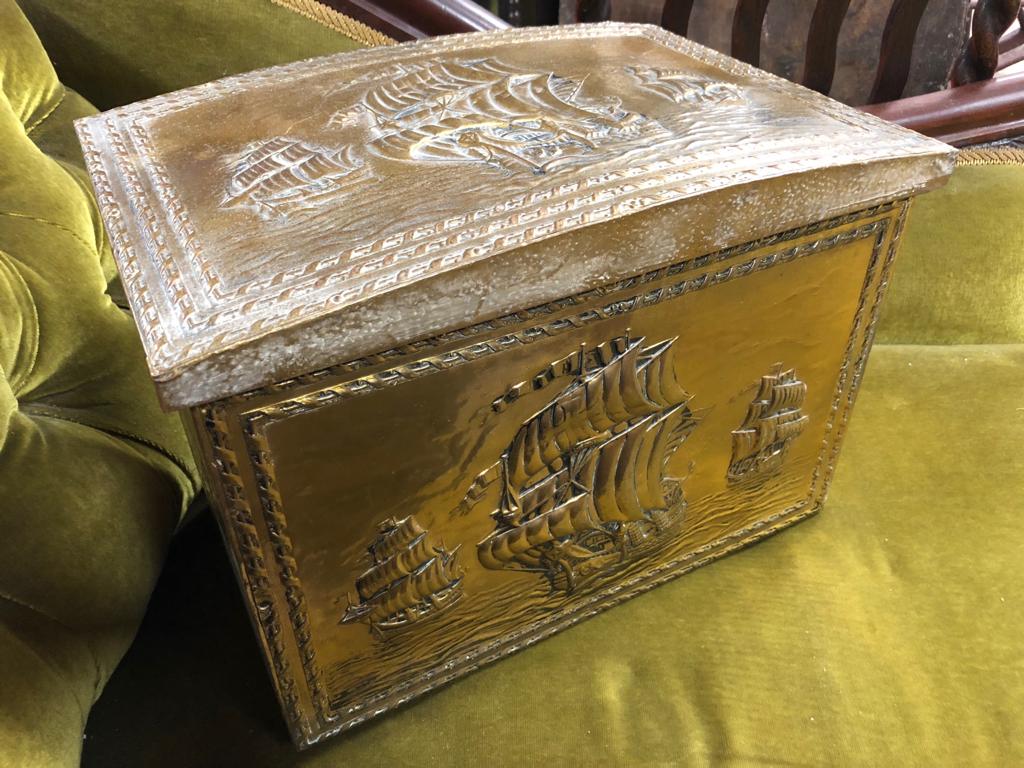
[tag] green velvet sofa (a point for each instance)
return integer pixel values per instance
(889, 630)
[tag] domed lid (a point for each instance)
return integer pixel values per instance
(279, 221)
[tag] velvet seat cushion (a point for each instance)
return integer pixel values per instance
(93, 476)
(885, 631)
(959, 277)
(119, 52)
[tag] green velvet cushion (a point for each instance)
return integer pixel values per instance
(960, 274)
(123, 51)
(93, 476)
(885, 631)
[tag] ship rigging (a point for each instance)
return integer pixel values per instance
(583, 484)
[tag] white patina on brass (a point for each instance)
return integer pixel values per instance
(354, 178)
(483, 335)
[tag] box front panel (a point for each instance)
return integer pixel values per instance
(399, 520)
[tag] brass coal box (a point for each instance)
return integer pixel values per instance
(482, 335)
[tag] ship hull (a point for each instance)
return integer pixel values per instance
(613, 548)
(413, 619)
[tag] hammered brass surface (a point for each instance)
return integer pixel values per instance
(325, 481)
(266, 224)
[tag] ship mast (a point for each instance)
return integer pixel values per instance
(592, 462)
(774, 418)
(410, 578)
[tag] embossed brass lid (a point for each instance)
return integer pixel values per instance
(279, 221)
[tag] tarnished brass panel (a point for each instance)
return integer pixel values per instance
(267, 223)
(400, 519)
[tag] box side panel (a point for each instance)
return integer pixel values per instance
(400, 519)
(226, 474)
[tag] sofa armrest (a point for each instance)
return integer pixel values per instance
(117, 53)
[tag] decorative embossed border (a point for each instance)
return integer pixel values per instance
(243, 535)
(530, 315)
(185, 318)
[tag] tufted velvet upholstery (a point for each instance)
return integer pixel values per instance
(93, 476)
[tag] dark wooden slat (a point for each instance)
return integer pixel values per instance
(588, 11)
(969, 114)
(981, 54)
(1011, 57)
(675, 15)
(822, 42)
(897, 49)
(747, 24)
(1012, 40)
(415, 19)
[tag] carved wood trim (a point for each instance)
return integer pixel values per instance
(897, 49)
(822, 44)
(675, 15)
(968, 114)
(980, 57)
(747, 23)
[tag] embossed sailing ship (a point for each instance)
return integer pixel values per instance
(583, 483)
(410, 579)
(774, 419)
(684, 87)
(489, 112)
(285, 174)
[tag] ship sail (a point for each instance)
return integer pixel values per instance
(424, 88)
(773, 420)
(667, 431)
(392, 569)
(410, 578)
(282, 174)
(487, 112)
(477, 111)
(589, 467)
(682, 86)
(396, 539)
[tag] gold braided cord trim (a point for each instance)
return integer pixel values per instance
(339, 22)
(991, 156)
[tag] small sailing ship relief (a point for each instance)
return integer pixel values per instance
(283, 174)
(683, 87)
(774, 419)
(410, 579)
(583, 485)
